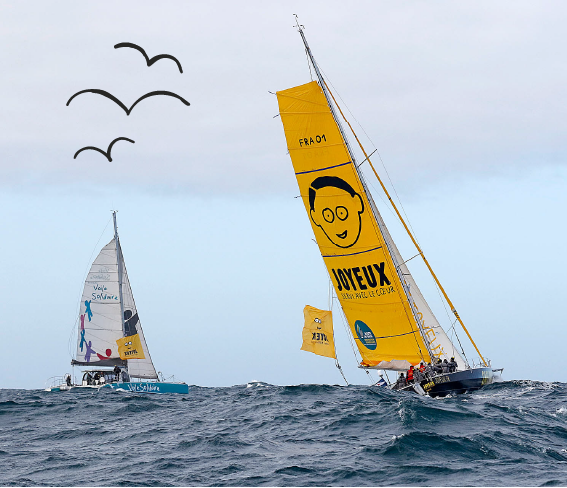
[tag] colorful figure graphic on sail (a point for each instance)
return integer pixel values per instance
(83, 340)
(108, 353)
(130, 322)
(88, 309)
(336, 209)
(90, 351)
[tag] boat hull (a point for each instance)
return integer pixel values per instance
(458, 382)
(136, 387)
(149, 387)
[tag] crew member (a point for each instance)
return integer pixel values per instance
(453, 365)
(417, 374)
(116, 372)
(438, 368)
(410, 374)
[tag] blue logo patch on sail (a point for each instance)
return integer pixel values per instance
(365, 335)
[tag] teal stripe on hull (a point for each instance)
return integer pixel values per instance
(150, 387)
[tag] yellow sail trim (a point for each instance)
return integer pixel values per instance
(318, 332)
(353, 248)
(130, 347)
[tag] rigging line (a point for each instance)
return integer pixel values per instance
(330, 286)
(374, 145)
(381, 197)
(449, 317)
(340, 369)
(366, 159)
(459, 341)
(308, 64)
(407, 260)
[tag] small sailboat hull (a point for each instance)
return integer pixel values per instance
(458, 382)
(149, 387)
(136, 387)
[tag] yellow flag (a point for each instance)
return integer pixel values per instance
(318, 332)
(349, 236)
(130, 347)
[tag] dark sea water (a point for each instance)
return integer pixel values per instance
(510, 433)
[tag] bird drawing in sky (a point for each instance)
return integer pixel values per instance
(121, 105)
(149, 61)
(107, 153)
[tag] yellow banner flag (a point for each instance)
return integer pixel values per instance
(130, 347)
(318, 332)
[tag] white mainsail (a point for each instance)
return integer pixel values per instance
(101, 322)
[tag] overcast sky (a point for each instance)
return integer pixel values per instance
(464, 102)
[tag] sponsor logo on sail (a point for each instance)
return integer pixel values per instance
(365, 335)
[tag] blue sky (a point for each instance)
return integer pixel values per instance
(463, 102)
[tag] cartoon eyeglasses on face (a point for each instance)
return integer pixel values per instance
(340, 221)
(340, 212)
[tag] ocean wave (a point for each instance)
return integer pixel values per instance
(510, 433)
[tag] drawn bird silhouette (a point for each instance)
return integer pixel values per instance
(120, 104)
(107, 153)
(149, 61)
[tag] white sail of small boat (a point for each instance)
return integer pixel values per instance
(100, 324)
(390, 320)
(110, 332)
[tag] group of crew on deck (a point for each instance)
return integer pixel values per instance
(98, 378)
(425, 371)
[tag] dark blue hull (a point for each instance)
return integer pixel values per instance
(453, 383)
(458, 382)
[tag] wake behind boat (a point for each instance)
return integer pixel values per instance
(110, 337)
(390, 320)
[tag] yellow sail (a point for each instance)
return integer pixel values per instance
(351, 243)
(318, 332)
(130, 347)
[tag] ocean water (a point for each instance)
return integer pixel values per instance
(509, 433)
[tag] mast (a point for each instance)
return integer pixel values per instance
(330, 98)
(120, 277)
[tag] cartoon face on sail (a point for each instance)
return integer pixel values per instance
(336, 208)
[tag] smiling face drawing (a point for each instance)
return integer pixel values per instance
(336, 208)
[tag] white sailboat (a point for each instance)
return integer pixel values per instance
(390, 320)
(110, 340)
